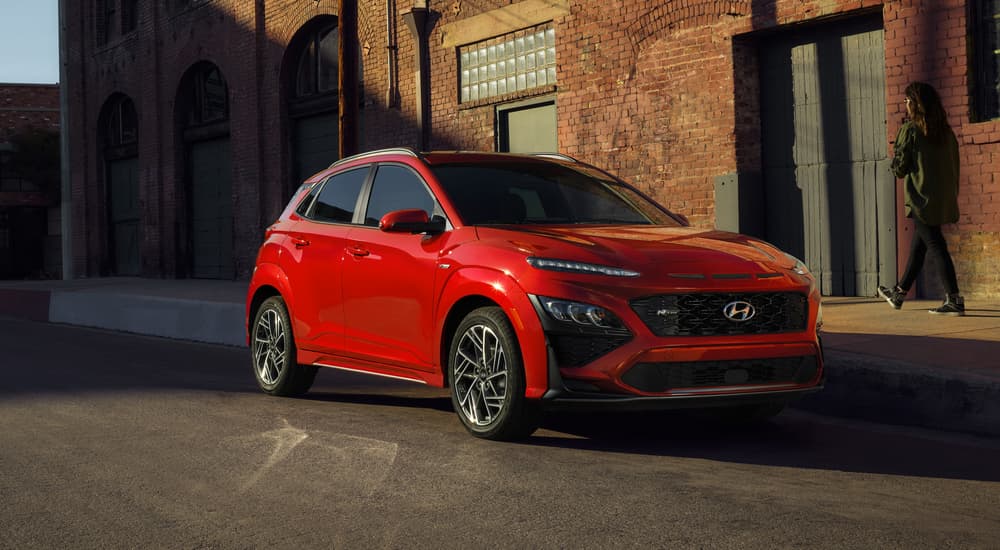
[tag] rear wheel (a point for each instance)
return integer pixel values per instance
(486, 376)
(273, 352)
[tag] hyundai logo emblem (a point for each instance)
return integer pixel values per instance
(739, 311)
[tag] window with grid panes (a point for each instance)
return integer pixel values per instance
(105, 20)
(985, 16)
(512, 63)
(130, 15)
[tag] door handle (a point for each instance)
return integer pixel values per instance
(358, 251)
(299, 242)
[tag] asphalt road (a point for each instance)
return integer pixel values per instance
(119, 441)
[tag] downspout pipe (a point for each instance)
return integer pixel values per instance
(65, 187)
(416, 20)
(391, 50)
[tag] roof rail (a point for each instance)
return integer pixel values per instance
(392, 150)
(558, 156)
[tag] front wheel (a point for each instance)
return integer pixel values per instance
(273, 352)
(486, 376)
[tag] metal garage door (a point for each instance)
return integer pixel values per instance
(123, 189)
(315, 144)
(828, 192)
(211, 211)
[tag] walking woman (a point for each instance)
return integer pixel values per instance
(926, 157)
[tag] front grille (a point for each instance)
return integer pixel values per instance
(701, 314)
(578, 350)
(662, 377)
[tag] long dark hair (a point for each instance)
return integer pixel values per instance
(928, 114)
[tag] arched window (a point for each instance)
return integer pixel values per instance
(121, 131)
(206, 96)
(310, 82)
(317, 66)
(202, 113)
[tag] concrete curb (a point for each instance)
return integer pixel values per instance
(893, 392)
(182, 319)
(858, 386)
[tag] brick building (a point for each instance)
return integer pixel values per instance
(29, 213)
(193, 120)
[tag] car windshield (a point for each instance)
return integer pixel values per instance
(543, 193)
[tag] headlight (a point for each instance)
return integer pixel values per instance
(799, 266)
(580, 267)
(578, 313)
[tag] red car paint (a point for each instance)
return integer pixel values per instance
(369, 300)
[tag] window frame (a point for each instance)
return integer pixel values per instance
(197, 111)
(105, 21)
(313, 198)
(436, 210)
(130, 16)
(310, 57)
(985, 95)
(120, 137)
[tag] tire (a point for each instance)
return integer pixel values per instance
(486, 376)
(272, 352)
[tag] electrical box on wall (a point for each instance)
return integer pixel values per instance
(739, 203)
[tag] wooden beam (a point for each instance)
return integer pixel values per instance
(347, 77)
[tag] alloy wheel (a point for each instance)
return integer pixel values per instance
(480, 375)
(269, 347)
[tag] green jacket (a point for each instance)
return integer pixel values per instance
(930, 175)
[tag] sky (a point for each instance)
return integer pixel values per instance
(29, 41)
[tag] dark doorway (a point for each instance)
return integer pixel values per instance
(121, 170)
(22, 241)
(829, 196)
(204, 117)
(314, 143)
(123, 189)
(211, 210)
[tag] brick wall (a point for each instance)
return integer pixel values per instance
(927, 41)
(663, 94)
(25, 106)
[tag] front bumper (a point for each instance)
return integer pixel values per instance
(571, 394)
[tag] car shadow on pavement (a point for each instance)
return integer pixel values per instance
(793, 439)
(66, 363)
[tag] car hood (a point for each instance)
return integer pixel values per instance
(681, 249)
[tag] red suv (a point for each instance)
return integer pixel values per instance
(524, 283)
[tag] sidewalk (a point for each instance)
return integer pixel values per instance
(898, 367)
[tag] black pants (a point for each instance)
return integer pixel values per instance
(929, 239)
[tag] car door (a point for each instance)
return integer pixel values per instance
(389, 277)
(317, 243)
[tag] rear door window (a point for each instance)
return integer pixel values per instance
(338, 199)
